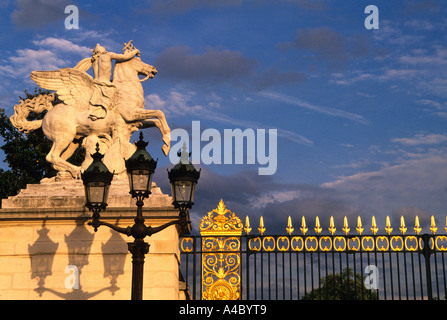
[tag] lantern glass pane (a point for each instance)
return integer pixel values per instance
(183, 191)
(140, 180)
(193, 190)
(96, 192)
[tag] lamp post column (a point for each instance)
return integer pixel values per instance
(139, 249)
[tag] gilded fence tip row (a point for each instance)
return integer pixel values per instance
(346, 229)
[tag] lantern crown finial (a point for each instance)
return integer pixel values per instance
(141, 144)
(97, 171)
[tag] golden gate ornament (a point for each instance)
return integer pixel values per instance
(221, 260)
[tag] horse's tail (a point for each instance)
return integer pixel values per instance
(37, 105)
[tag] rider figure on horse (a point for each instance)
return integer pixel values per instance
(104, 89)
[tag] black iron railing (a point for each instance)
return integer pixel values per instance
(318, 266)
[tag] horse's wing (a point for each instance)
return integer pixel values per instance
(73, 87)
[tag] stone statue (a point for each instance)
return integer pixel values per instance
(89, 110)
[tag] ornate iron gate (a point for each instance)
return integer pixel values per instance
(313, 264)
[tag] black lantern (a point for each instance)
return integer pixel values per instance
(97, 179)
(140, 168)
(183, 178)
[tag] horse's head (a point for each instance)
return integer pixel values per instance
(143, 69)
(131, 69)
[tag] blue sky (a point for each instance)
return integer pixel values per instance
(361, 114)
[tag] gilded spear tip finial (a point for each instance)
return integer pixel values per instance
(374, 228)
(247, 225)
(417, 226)
(359, 226)
(433, 227)
(402, 227)
(332, 228)
(388, 228)
(317, 228)
(303, 226)
(345, 228)
(289, 228)
(261, 228)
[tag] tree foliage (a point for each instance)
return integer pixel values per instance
(342, 286)
(25, 154)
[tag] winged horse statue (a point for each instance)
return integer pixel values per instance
(89, 110)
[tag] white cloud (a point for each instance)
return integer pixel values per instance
(304, 104)
(421, 57)
(176, 103)
(28, 60)
(51, 54)
(419, 24)
(416, 183)
(421, 139)
(60, 44)
(180, 103)
(392, 32)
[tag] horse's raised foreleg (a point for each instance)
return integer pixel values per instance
(161, 124)
(166, 137)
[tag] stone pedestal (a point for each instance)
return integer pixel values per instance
(48, 251)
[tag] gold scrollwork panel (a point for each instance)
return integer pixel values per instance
(221, 265)
(368, 243)
(186, 245)
(268, 243)
(441, 243)
(354, 244)
(311, 243)
(283, 243)
(411, 243)
(382, 243)
(297, 244)
(325, 243)
(254, 244)
(340, 243)
(397, 243)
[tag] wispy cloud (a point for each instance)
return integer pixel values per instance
(286, 134)
(27, 60)
(319, 109)
(61, 44)
(422, 139)
(180, 103)
(50, 53)
(414, 183)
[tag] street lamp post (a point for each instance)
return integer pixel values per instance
(140, 169)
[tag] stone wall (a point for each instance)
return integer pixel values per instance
(48, 251)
